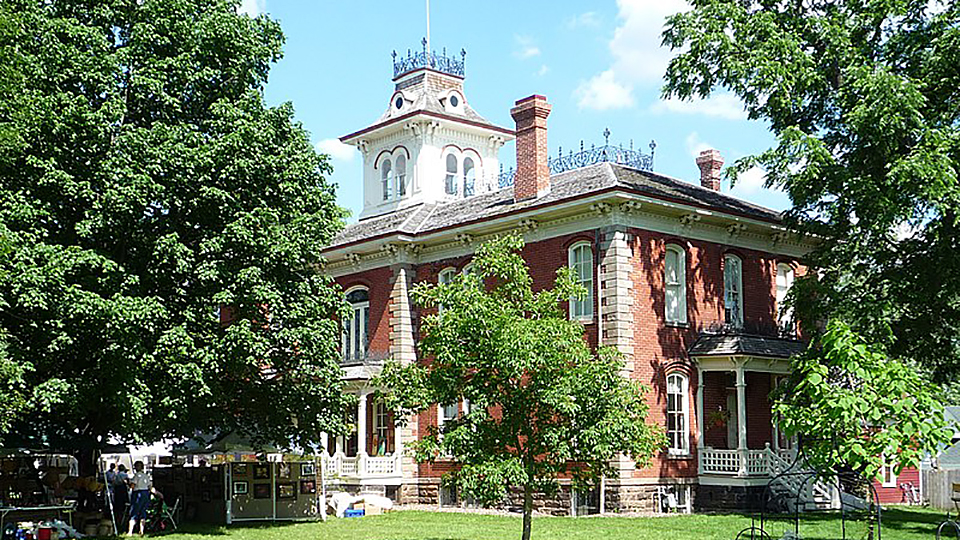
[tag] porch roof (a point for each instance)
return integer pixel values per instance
(745, 345)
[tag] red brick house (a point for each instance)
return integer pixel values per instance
(685, 280)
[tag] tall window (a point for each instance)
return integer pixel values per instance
(784, 282)
(469, 177)
(386, 179)
(888, 473)
(355, 337)
(446, 276)
(732, 291)
(675, 285)
(677, 414)
(401, 176)
(581, 261)
(450, 185)
(381, 429)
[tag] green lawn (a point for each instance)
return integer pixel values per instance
(899, 524)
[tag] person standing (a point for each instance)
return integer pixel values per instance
(141, 486)
(121, 495)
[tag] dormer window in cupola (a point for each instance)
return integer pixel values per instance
(452, 102)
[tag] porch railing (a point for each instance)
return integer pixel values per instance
(362, 466)
(765, 462)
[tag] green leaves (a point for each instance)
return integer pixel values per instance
(541, 403)
(863, 101)
(852, 405)
(145, 185)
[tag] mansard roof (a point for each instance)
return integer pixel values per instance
(566, 186)
(423, 91)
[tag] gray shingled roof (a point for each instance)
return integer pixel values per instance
(566, 185)
(427, 100)
(745, 344)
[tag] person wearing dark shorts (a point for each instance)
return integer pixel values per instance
(141, 485)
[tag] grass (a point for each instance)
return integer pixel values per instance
(898, 524)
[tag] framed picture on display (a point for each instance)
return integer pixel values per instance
(261, 491)
(241, 488)
(261, 471)
(308, 469)
(286, 491)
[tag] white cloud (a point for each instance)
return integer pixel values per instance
(750, 182)
(337, 150)
(604, 92)
(638, 58)
(544, 69)
(253, 7)
(590, 18)
(722, 105)
(695, 145)
(526, 47)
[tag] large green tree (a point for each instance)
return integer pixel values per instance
(143, 185)
(541, 403)
(862, 98)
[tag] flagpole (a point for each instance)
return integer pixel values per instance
(428, 26)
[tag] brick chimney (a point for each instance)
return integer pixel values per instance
(533, 174)
(710, 163)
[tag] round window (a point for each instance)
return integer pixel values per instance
(454, 101)
(399, 102)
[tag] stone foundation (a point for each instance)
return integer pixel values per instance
(740, 498)
(619, 499)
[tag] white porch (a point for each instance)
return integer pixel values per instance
(374, 451)
(739, 463)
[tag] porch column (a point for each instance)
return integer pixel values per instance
(742, 419)
(700, 430)
(773, 418)
(324, 442)
(362, 423)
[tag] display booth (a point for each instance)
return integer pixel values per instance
(38, 487)
(261, 483)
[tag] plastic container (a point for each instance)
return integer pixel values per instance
(352, 513)
(44, 533)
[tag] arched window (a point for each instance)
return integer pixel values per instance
(446, 276)
(675, 285)
(401, 176)
(732, 291)
(468, 269)
(386, 178)
(580, 258)
(450, 185)
(784, 282)
(469, 177)
(355, 327)
(678, 414)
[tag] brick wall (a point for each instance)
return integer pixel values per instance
(659, 349)
(378, 283)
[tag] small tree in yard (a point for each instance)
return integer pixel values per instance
(541, 403)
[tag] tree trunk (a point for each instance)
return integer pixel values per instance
(527, 508)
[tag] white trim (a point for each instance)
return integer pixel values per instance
(681, 285)
(784, 316)
(684, 397)
(572, 261)
(885, 470)
(727, 258)
(442, 245)
(358, 327)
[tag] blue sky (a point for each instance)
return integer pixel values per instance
(598, 63)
